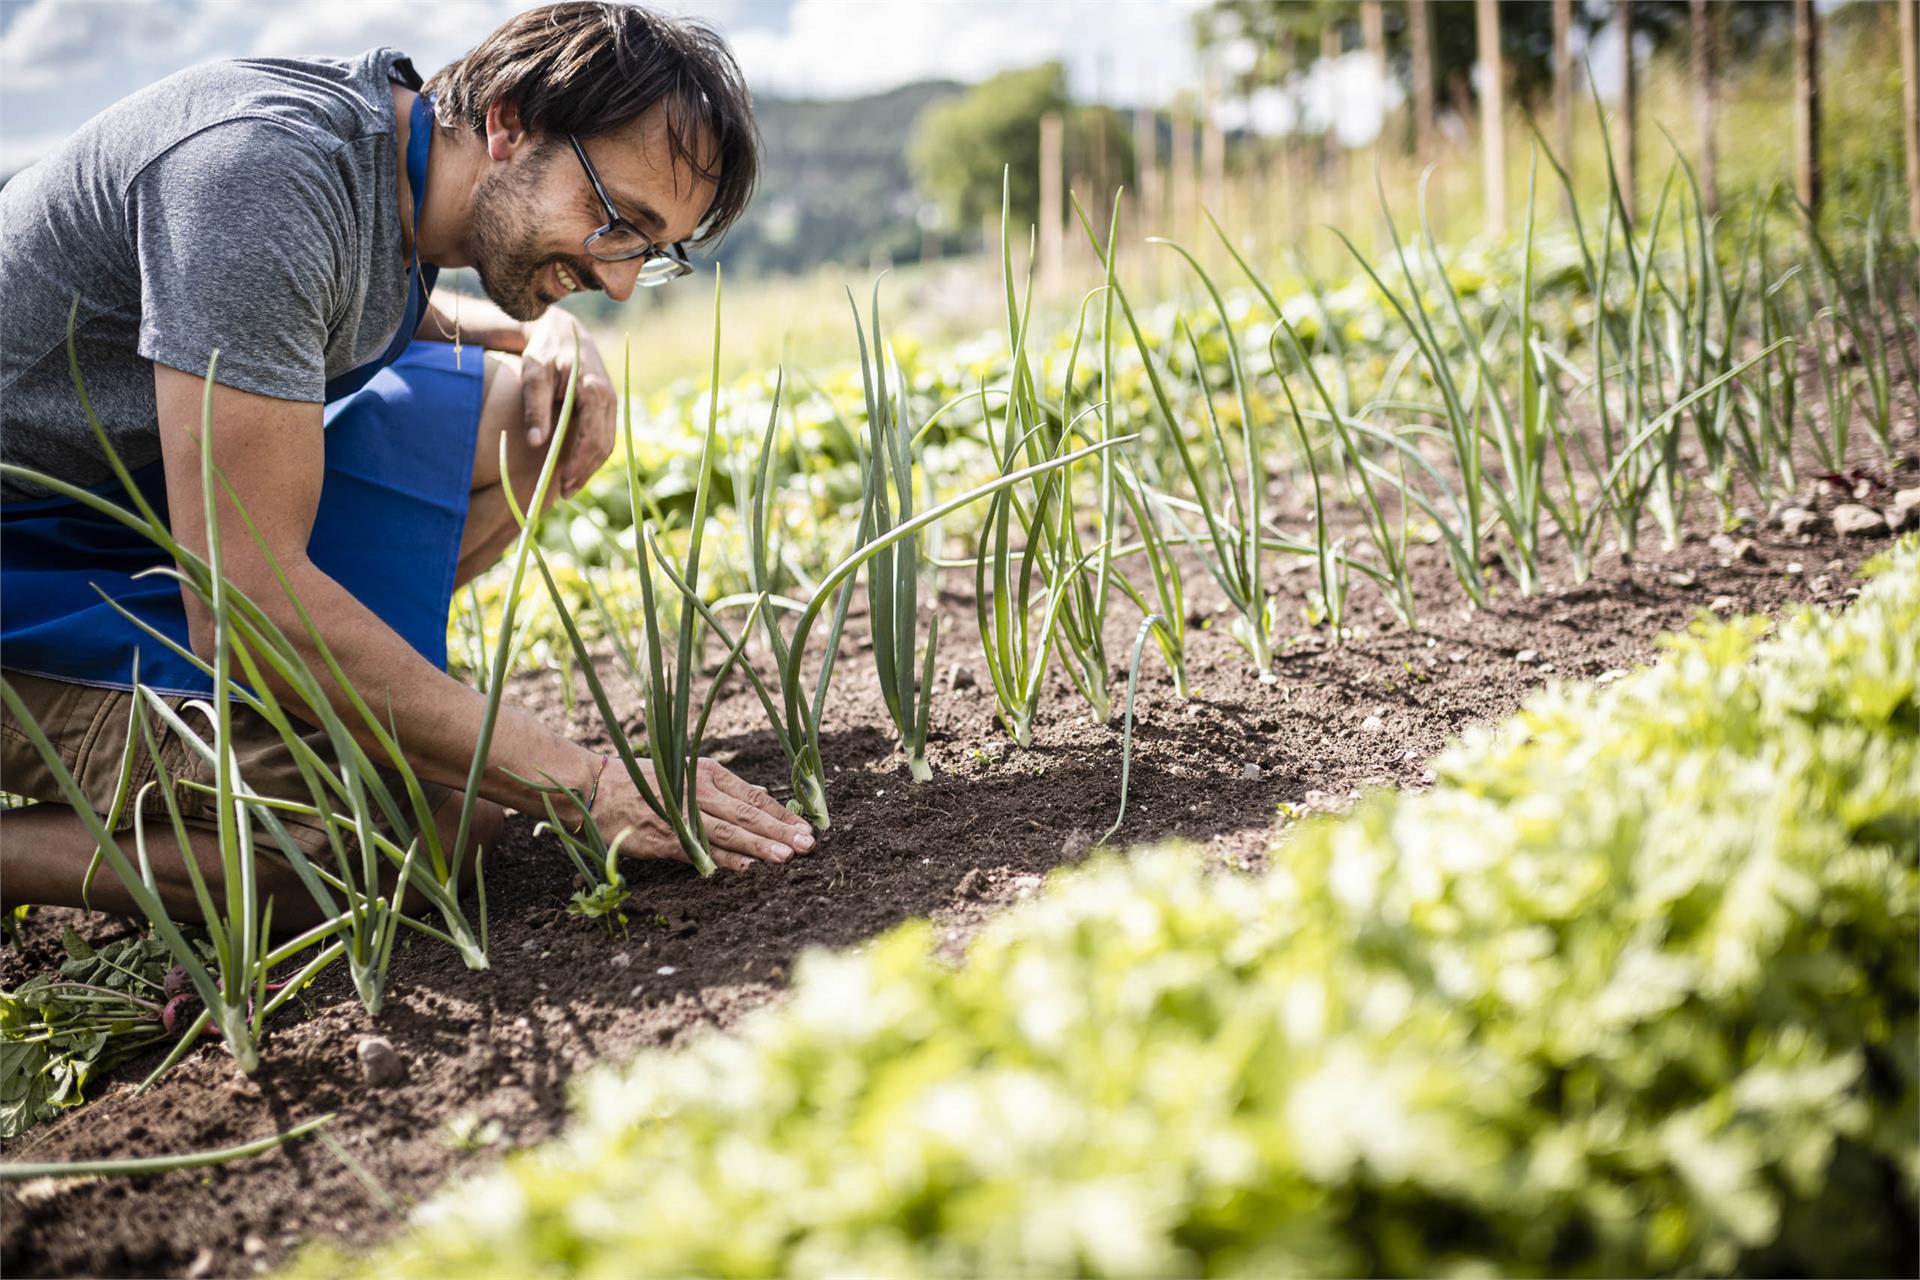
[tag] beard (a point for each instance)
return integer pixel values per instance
(502, 229)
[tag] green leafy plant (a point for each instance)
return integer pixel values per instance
(58, 1033)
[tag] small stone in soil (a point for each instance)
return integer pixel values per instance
(1684, 578)
(1722, 604)
(1526, 656)
(665, 971)
(1795, 521)
(1730, 548)
(619, 959)
(381, 1066)
(969, 886)
(1608, 677)
(1851, 520)
(1250, 771)
(1373, 724)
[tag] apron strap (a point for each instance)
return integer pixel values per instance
(421, 278)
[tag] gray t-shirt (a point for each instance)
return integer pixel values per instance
(249, 206)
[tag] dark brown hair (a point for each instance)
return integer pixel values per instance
(588, 67)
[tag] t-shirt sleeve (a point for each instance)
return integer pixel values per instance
(241, 235)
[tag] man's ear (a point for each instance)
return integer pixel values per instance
(505, 133)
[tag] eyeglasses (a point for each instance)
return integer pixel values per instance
(621, 241)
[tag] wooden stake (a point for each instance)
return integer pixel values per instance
(1373, 38)
(1563, 79)
(1146, 164)
(1910, 96)
(1052, 203)
(1628, 147)
(1493, 138)
(1183, 194)
(1806, 100)
(1420, 51)
(1706, 100)
(1213, 165)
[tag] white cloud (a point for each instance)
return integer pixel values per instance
(432, 32)
(1127, 49)
(95, 52)
(48, 42)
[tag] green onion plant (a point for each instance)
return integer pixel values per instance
(893, 573)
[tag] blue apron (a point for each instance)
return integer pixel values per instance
(400, 438)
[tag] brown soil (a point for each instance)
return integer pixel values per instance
(563, 994)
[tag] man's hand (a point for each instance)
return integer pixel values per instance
(743, 823)
(545, 366)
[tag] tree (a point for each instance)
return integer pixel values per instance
(961, 146)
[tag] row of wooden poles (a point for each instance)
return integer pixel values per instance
(1170, 196)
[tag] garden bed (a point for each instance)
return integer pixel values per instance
(489, 1055)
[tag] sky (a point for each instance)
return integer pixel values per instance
(62, 61)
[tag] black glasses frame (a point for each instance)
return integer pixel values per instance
(660, 263)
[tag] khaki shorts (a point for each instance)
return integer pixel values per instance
(88, 725)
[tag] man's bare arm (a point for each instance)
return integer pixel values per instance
(548, 346)
(272, 453)
(478, 322)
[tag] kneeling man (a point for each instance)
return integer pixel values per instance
(292, 215)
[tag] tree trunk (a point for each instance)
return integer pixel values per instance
(1910, 95)
(1493, 138)
(1629, 109)
(1420, 54)
(1706, 100)
(1563, 79)
(1806, 98)
(1052, 207)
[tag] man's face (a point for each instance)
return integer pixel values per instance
(534, 209)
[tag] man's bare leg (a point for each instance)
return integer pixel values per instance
(490, 524)
(45, 850)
